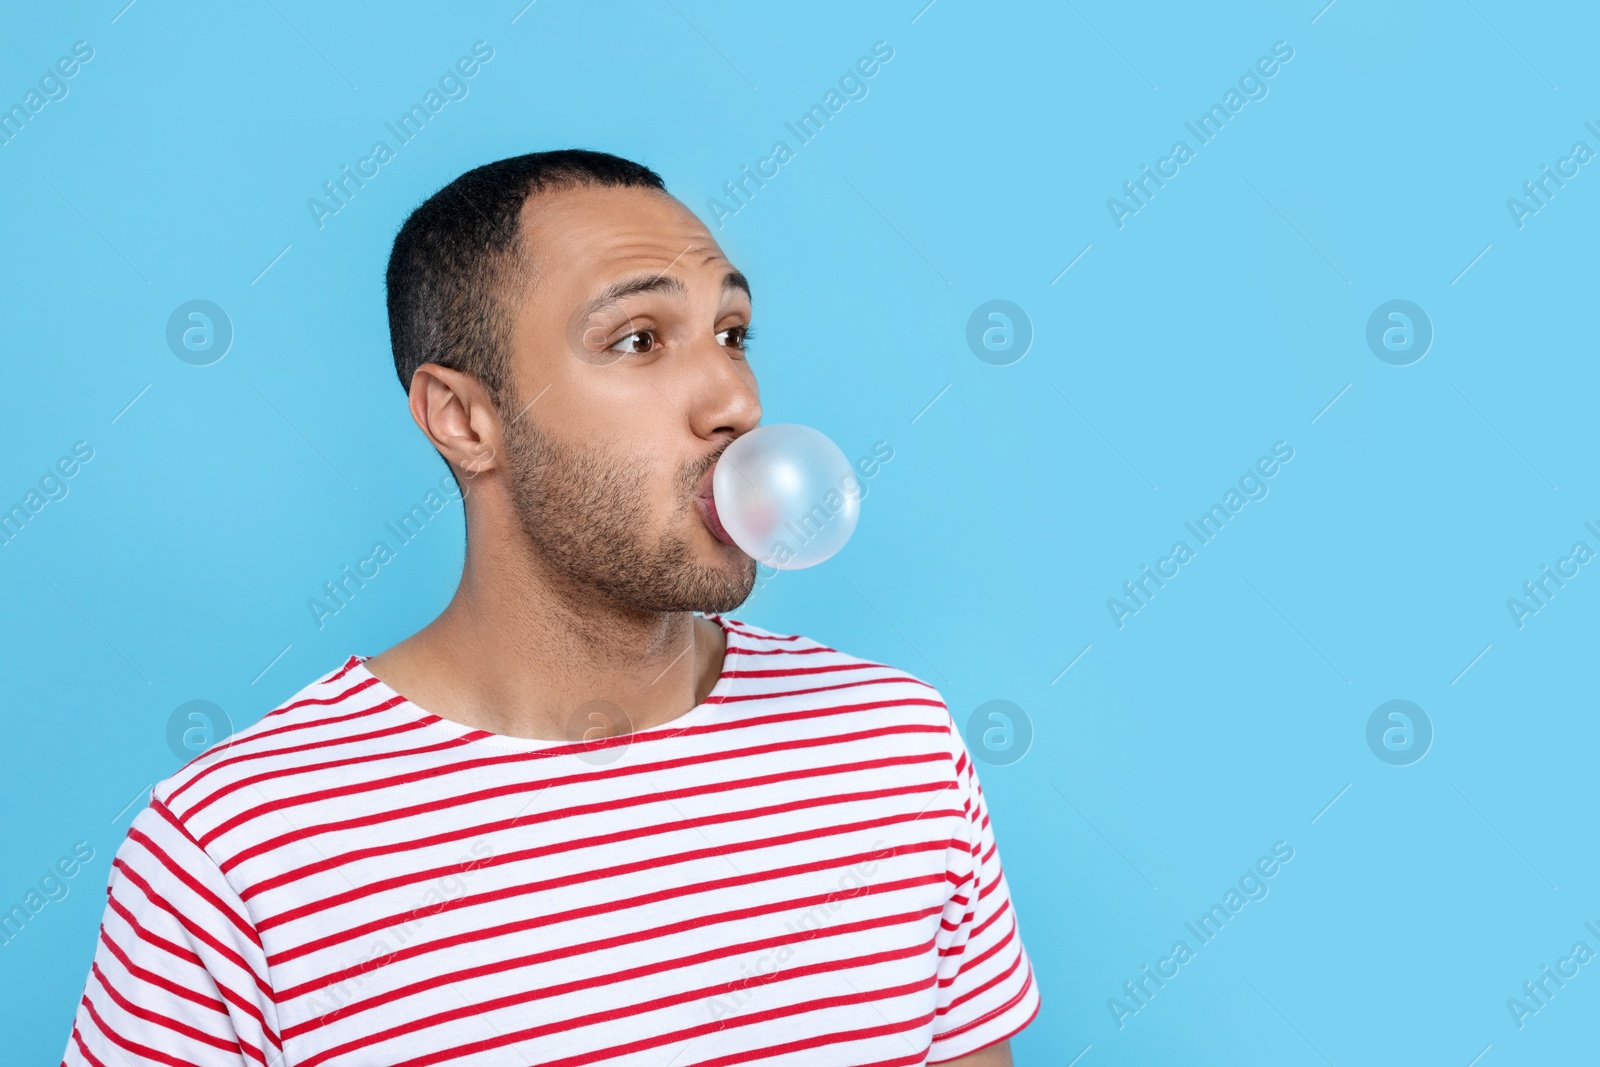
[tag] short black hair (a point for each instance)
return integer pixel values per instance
(446, 275)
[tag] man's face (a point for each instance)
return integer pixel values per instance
(627, 379)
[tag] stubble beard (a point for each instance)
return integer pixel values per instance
(588, 516)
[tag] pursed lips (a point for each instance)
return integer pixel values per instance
(708, 508)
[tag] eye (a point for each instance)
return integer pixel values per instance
(630, 343)
(737, 336)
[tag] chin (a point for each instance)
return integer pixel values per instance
(724, 586)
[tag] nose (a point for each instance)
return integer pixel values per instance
(727, 401)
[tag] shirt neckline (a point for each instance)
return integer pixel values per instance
(728, 682)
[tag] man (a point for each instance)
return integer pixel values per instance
(583, 816)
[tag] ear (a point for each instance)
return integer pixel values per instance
(454, 412)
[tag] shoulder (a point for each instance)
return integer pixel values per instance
(795, 654)
(338, 704)
(785, 665)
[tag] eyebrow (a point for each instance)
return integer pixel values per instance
(656, 283)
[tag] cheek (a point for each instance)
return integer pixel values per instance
(639, 441)
(621, 444)
(630, 479)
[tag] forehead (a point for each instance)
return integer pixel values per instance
(582, 235)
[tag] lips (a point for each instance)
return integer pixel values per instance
(708, 510)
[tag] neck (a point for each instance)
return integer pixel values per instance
(520, 650)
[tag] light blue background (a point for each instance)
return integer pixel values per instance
(1223, 317)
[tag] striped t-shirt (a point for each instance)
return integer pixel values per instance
(800, 870)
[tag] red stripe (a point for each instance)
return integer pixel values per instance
(309, 746)
(193, 959)
(241, 739)
(413, 877)
(956, 948)
(1015, 1030)
(165, 984)
(307, 724)
(349, 665)
(278, 773)
(639, 900)
(733, 698)
(999, 944)
(463, 766)
(132, 1046)
(312, 746)
(500, 966)
(256, 735)
(690, 1033)
(782, 651)
(978, 931)
(155, 939)
(94, 1061)
(789, 672)
(461, 833)
(578, 877)
(193, 930)
(1016, 961)
(960, 901)
(610, 1014)
(190, 1032)
(996, 1011)
(631, 938)
(731, 625)
(825, 1039)
(194, 884)
(323, 701)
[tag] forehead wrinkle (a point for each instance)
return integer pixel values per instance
(645, 250)
(623, 288)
